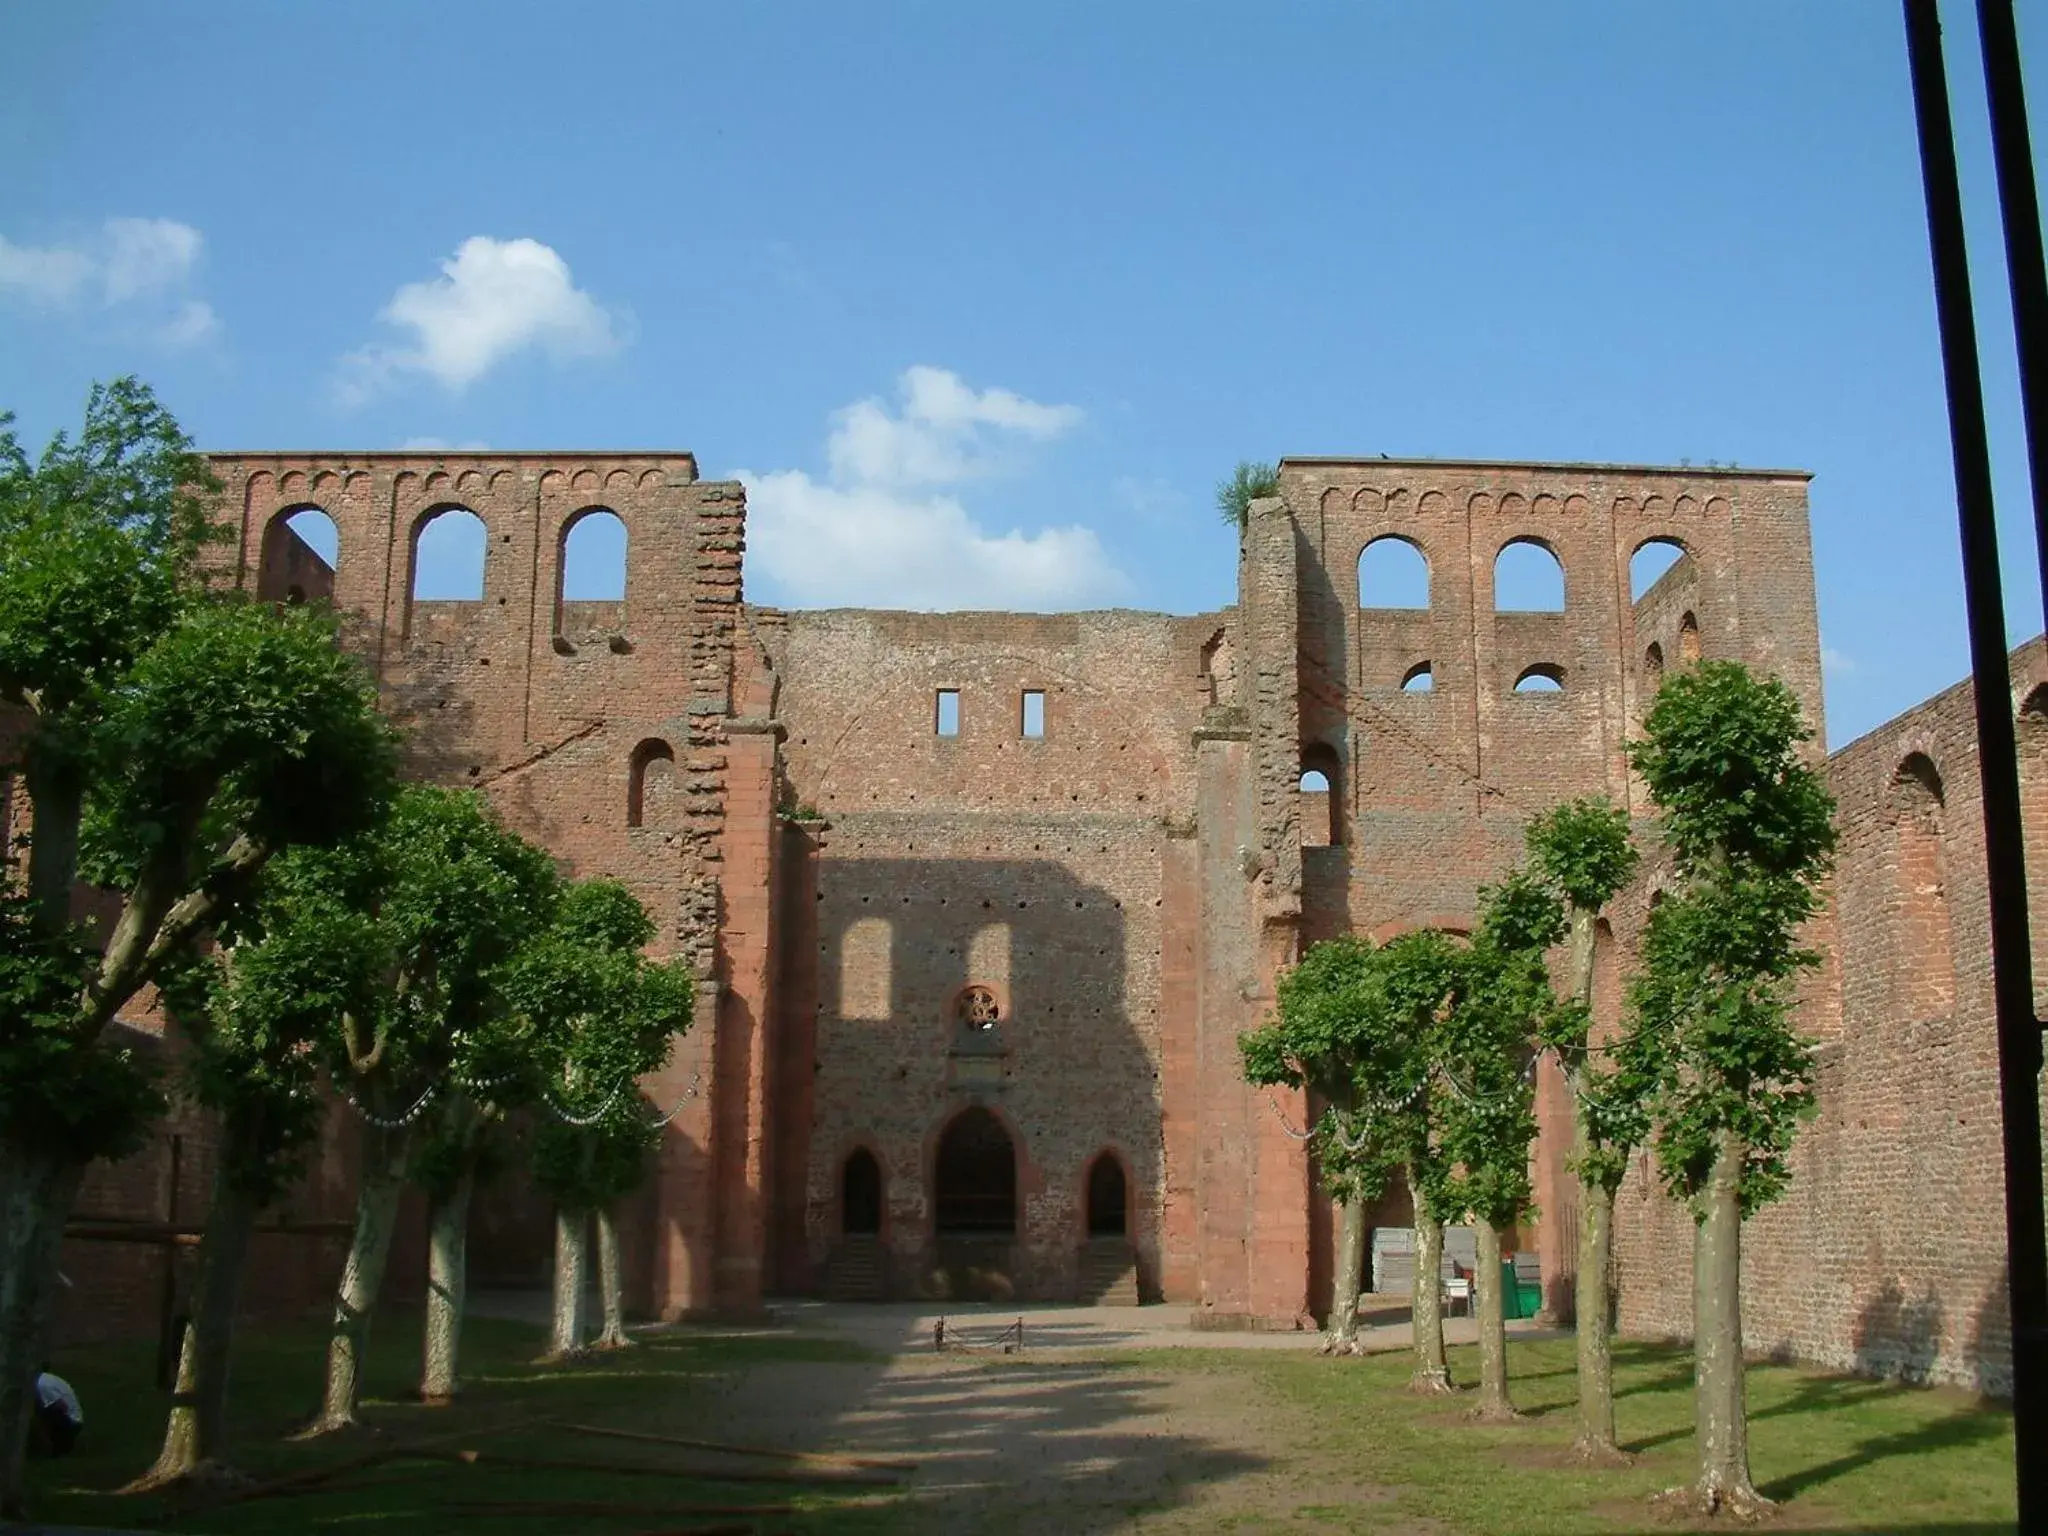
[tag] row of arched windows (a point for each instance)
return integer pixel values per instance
(448, 548)
(974, 1185)
(1393, 572)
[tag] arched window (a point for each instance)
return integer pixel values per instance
(1652, 561)
(1688, 639)
(1393, 573)
(448, 557)
(301, 549)
(1922, 942)
(860, 1195)
(974, 1178)
(594, 557)
(1653, 666)
(651, 784)
(1320, 808)
(1527, 578)
(1544, 677)
(1418, 679)
(1108, 1197)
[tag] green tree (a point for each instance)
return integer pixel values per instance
(454, 894)
(1251, 481)
(1485, 1056)
(255, 1010)
(1334, 1035)
(1583, 849)
(1360, 1028)
(603, 1016)
(1715, 1068)
(171, 742)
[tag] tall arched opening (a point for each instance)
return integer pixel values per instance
(1108, 1197)
(860, 1195)
(974, 1178)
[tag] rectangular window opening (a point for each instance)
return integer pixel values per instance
(1034, 713)
(948, 720)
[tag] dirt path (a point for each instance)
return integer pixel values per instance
(1060, 1442)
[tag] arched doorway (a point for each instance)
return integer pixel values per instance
(860, 1195)
(974, 1181)
(1106, 1197)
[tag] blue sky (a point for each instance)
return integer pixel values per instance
(984, 299)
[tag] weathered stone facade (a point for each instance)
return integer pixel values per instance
(1049, 867)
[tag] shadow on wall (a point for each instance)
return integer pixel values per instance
(975, 1036)
(1898, 1335)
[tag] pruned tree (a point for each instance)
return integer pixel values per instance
(1333, 1034)
(1719, 1075)
(1249, 482)
(603, 1016)
(454, 894)
(1487, 1103)
(171, 742)
(254, 1010)
(1583, 850)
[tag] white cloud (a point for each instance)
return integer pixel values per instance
(140, 267)
(881, 531)
(493, 299)
(1836, 662)
(942, 433)
(147, 256)
(52, 274)
(193, 322)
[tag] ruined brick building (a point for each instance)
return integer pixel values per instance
(981, 902)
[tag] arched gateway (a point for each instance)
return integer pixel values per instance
(974, 1179)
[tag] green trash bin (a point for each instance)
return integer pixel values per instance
(1518, 1298)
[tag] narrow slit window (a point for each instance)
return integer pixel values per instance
(947, 721)
(1034, 714)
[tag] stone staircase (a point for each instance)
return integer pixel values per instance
(1109, 1273)
(857, 1271)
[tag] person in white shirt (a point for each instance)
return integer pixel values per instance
(57, 1411)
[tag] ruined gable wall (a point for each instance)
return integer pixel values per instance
(1043, 869)
(1436, 787)
(1887, 1254)
(577, 719)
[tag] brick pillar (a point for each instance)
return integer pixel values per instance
(741, 1147)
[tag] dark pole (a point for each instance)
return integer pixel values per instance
(2019, 1033)
(2012, 149)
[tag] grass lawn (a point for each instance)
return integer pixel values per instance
(1306, 1444)
(668, 1385)
(1839, 1453)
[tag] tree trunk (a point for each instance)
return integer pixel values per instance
(447, 1290)
(1592, 1306)
(1595, 1319)
(572, 1243)
(36, 1191)
(196, 1433)
(1721, 1420)
(1493, 1329)
(1432, 1368)
(610, 1282)
(1343, 1335)
(362, 1276)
